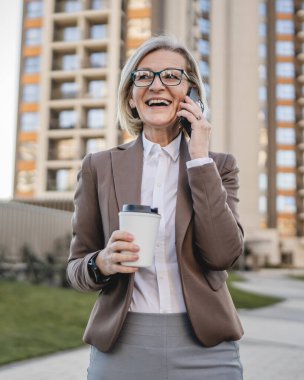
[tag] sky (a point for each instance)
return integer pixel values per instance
(10, 25)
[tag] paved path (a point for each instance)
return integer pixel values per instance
(272, 349)
(273, 345)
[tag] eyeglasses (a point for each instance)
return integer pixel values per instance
(168, 77)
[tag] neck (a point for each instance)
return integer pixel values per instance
(162, 136)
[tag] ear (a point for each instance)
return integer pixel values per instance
(133, 109)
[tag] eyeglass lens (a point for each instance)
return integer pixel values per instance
(169, 77)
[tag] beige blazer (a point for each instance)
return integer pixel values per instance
(209, 239)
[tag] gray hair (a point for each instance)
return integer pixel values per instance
(125, 116)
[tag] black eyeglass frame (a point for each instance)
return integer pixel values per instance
(183, 72)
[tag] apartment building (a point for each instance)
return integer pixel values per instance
(281, 183)
(71, 57)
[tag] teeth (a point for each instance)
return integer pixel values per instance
(158, 101)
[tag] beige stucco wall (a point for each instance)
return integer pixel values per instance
(234, 96)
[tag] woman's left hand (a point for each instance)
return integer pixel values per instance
(201, 128)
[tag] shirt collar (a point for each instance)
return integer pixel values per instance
(171, 149)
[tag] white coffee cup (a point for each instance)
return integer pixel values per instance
(143, 223)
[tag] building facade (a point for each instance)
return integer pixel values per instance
(71, 57)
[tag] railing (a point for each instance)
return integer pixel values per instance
(67, 6)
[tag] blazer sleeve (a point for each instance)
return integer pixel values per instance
(218, 235)
(87, 230)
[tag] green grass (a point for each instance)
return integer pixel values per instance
(247, 300)
(37, 320)
(297, 277)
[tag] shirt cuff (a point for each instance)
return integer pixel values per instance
(199, 162)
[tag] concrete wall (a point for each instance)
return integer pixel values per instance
(38, 227)
(234, 96)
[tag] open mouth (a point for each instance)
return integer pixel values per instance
(158, 103)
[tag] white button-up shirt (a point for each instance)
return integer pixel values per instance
(158, 289)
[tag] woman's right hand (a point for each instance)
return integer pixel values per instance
(109, 259)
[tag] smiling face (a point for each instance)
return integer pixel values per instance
(157, 104)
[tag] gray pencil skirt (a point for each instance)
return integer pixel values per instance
(164, 347)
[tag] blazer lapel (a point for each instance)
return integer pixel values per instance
(127, 166)
(184, 207)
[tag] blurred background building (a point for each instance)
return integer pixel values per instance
(251, 58)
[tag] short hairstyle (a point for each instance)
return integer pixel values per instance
(126, 118)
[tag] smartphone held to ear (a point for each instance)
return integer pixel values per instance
(194, 95)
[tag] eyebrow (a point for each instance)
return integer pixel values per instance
(166, 68)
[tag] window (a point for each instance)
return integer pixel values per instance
(63, 119)
(204, 68)
(204, 5)
(94, 145)
(284, 6)
(98, 59)
(30, 93)
(60, 180)
(262, 51)
(262, 114)
(262, 29)
(70, 62)
(204, 25)
(97, 88)
(95, 118)
(139, 4)
(286, 204)
(26, 181)
(287, 227)
(285, 91)
(207, 88)
(284, 27)
(70, 6)
(286, 181)
(65, 90)
(285, 113)
(32, 65)
(99, 4)
(285, 136)
(263, 137)
(262, 204)
(69, 90)
(203, 47)
(262, 158)
(285, 69)
(286, 158)
(62, 149)
(68, 33)
(27, 151)
(285, 48)
(263, 93)
(139, 28)
(262, 71)
(67, 119)
(262, 8)
(263, 182)
(34, 9)
(65, 61)
(99, 31)
(33, 36)
(29, 121)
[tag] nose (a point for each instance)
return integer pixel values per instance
(156, 84)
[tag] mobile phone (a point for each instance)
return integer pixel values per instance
(194, 95)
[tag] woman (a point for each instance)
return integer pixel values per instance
(175, 319)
